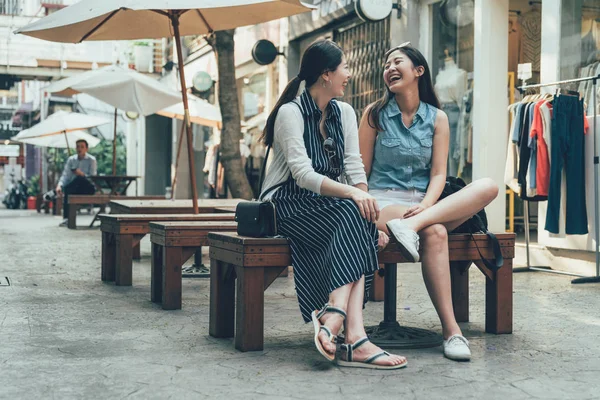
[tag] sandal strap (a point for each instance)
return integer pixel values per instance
(331, 336)
(376, 356)
(350, 347)
(331, 309)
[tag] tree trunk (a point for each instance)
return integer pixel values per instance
(231, 133)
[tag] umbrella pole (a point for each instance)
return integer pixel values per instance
(67, 140)
(179, 143)
(114, 160)
(186, 117)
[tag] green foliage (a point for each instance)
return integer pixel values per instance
(103, 153)
(33, 185)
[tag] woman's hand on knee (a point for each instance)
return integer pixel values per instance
(414, 210)
(367, 205)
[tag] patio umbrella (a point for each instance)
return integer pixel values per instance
(201, 113)
(123, 89)
(61, 123)
(145, 19)
(58, 141)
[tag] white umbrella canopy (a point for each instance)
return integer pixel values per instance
(58, 141)
(122, 88)
(61, 122)
(201, 112)
(146, 19)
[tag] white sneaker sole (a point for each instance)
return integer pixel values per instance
(405, 252)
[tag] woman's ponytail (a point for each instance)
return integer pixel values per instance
(289, 94)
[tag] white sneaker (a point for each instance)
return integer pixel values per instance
(457, 348)
(406, 237)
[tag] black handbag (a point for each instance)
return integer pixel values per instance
(258, 218)
(476, 224)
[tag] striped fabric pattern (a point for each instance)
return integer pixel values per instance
(331, 244)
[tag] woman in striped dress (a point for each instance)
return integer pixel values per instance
(330, 225)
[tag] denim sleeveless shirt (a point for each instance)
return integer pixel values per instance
(402, 156)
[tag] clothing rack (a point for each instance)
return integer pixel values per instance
(582, 279)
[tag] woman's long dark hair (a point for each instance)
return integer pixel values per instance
(426, 91)
(320, 57)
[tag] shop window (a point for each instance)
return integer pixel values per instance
(580, 45)
(253, 95)
(451, 62)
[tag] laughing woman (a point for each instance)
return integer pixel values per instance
(404, 143)
(330, 225)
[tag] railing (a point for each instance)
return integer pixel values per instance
(10, 7)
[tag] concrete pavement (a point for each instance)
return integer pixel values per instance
(66, 335)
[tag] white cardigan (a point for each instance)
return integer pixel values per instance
(288, 153)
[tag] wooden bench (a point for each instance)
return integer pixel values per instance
(78, 200)
(121, 236)
(173, 243)
(255, 263)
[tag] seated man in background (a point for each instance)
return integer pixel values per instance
(74, 177)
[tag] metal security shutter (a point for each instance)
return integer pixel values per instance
(365, 46)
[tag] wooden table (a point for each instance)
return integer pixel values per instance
(117, 184)
(172, 206)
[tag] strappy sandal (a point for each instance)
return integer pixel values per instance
(316, 315)
(348, 349)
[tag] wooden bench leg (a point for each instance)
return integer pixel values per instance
(72, 223)
(222, 300)
(156, 273)
(377, 293)
(171, 278)
(124, 273)
(249, 317)
(136, 253)
(459, 274)
(108, 257)
(499, 300)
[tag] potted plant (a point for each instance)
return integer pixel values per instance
(34, 201)
(142, 52)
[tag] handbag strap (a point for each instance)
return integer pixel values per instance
(264, 168)
(498, 257)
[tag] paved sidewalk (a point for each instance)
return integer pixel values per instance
(66, 335)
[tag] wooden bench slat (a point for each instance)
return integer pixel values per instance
(124, 218)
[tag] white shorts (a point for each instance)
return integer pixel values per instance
(389, 197)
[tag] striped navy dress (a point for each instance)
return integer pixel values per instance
(331, 244)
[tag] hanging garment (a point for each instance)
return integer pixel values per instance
(568, 130)
(210, 164)
(525, 155)
(453, 112)
(531, 34)
(512, 152)
(532, 165)
(542, 172)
